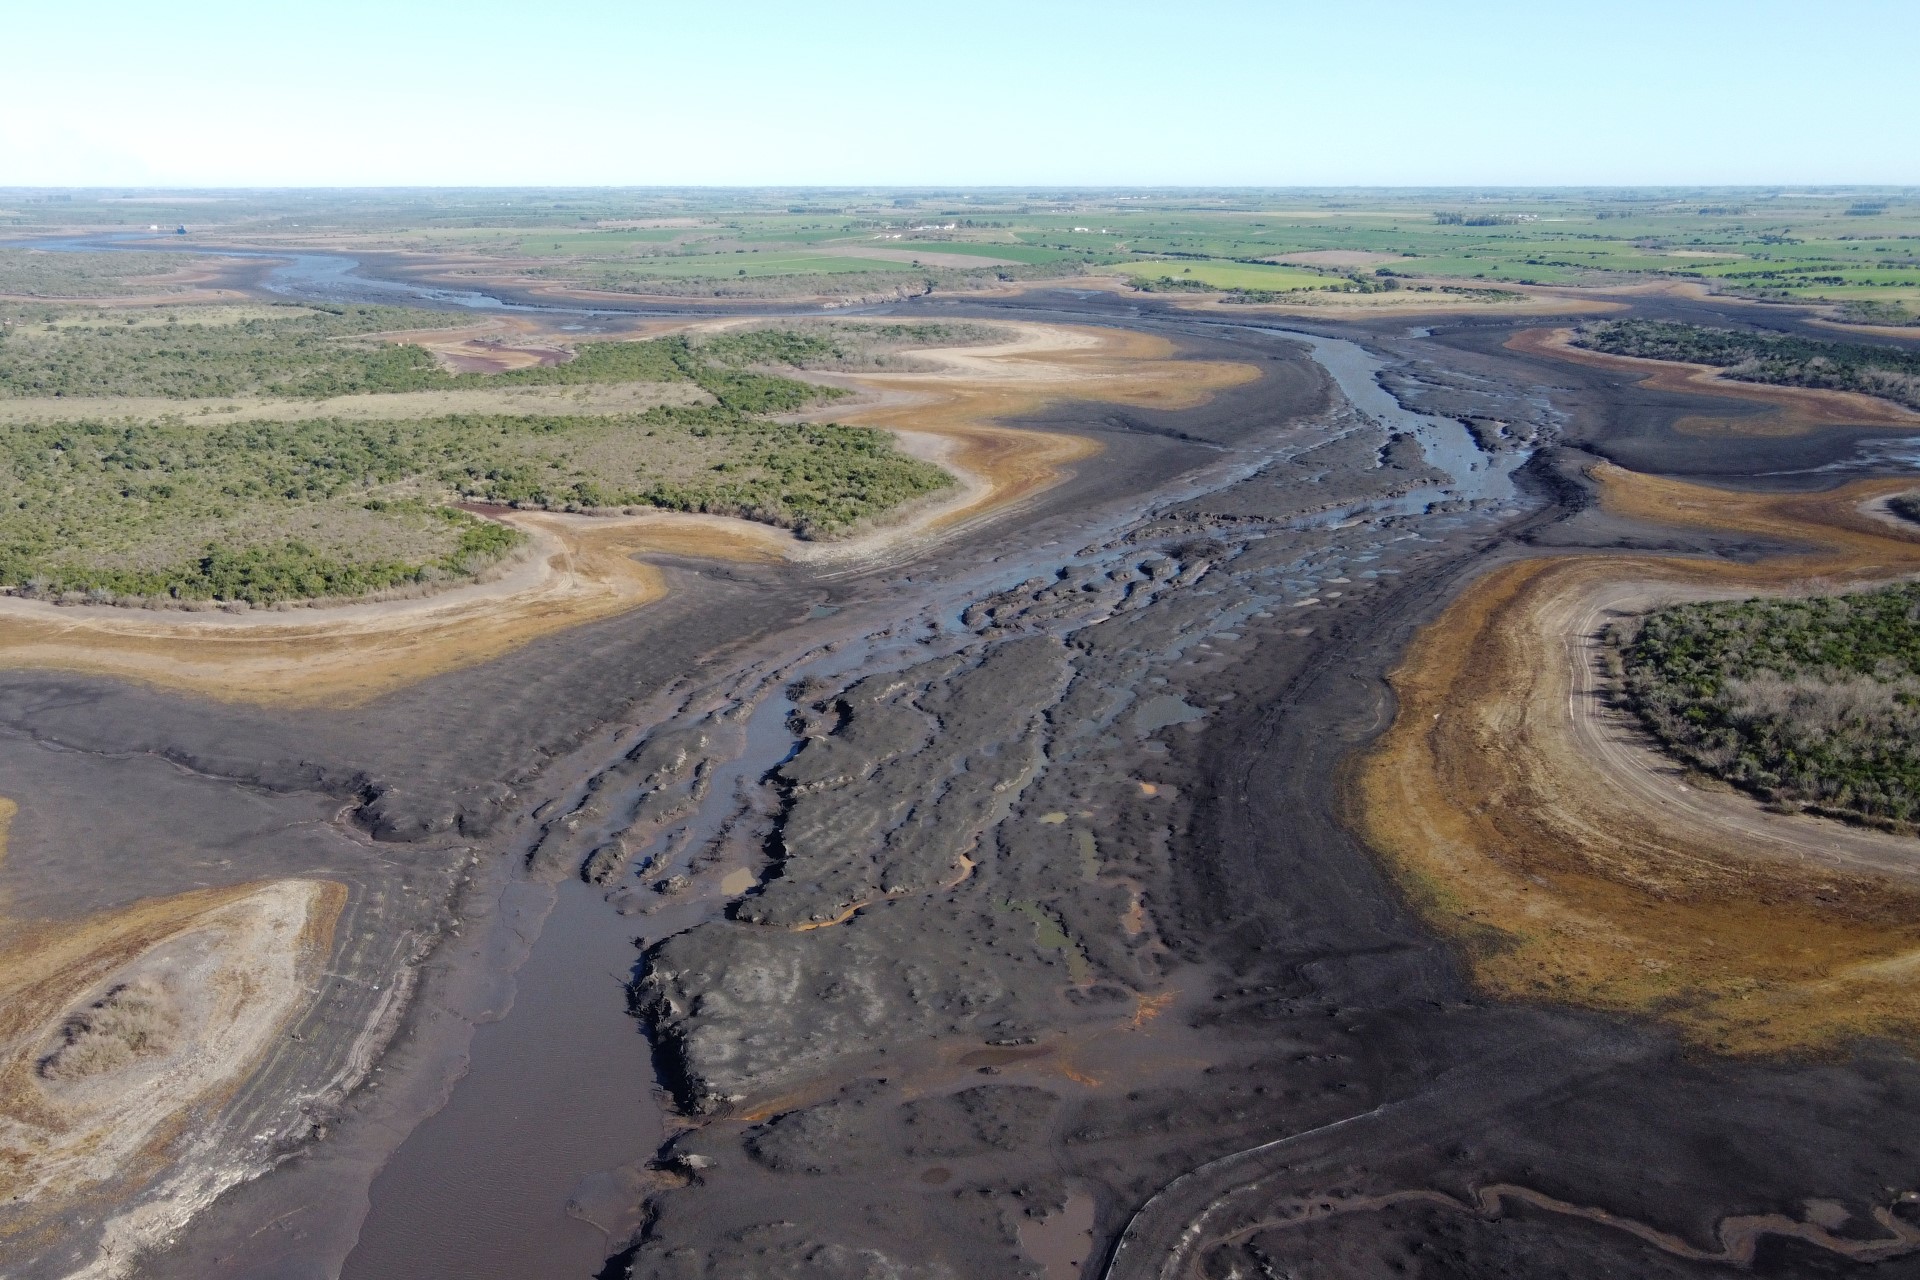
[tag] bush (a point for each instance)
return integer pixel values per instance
(1779, 359)
(266, 511)
(1810, 702)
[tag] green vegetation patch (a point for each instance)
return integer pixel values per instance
(38, 273)
(1161, 276)
(1811, 703)
(1877, 312)
(265, 511)
(314, 353)
(835, 345)
(305, 352)
(816, 478)
(1892, 373)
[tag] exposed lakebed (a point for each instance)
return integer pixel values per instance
(968, 906)
(555, 1107)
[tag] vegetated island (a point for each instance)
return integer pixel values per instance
(264, 512)
(1892, 373)
(1810, 703)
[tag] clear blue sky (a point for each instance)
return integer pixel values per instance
(214, 92)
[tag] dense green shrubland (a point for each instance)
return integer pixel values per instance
(1810, 702)
(317, 354)
(304, 352)
(1779, 359)
(269, 510)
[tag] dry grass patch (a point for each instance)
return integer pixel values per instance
(136, 1019)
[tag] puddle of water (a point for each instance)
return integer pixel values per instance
(556, 1092)
(1061, 1241)
(1162, 710)
(1003, 1057)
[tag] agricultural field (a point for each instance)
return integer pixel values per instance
(1856, 252)
(1811, 702)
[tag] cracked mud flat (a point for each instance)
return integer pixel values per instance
(998, 894)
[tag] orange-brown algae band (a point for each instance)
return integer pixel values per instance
(1569, 860)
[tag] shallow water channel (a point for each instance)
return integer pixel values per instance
(1448, 445)
(520, 1175)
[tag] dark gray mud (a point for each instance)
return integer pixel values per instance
(1062, 802)
(1605, 412)
(1282, 1032)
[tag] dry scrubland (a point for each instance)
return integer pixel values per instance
(1791, 409)
(1891, 373)
(1573, 864)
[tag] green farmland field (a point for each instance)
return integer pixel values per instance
(1252, 277)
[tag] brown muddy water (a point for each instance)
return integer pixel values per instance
(556, 1092)
(1063, 1240)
